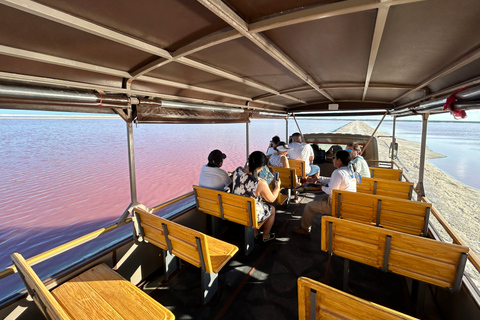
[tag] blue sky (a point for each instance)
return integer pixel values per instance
(472, 115)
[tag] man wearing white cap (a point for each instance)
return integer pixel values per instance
(211, 175)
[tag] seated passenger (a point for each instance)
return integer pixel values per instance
(358, 161)
(303, 151)
(333, 150)
(247, 183)
(272, 145)
(341, 179)
(211, 175)
(279, 158)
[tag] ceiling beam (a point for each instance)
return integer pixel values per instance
(48, 13)
(377, 37)
(229, 16)
(83, 25)
(321, 12)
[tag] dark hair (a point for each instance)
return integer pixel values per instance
(257, 159)
(276, 139)
(344, 156)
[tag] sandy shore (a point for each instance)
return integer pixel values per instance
(457, 203)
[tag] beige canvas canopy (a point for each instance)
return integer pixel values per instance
(152, 58)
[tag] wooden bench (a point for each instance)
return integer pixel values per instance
(386, 173)
(98, 293)
(386, 212)
(190, 245)
(319, 301)
(231, 207)
(288, 177)
(383, 187)
(435, 262)
(299, 166)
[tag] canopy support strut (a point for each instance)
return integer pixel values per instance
(420, 188)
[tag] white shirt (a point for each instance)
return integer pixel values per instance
(301, 151)
(340, 180)
(270, 151)
(214, 178)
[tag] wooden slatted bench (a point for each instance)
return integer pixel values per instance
(386, 212)
(427, 260)
(299, 166)
(231, 207)
(386, 173)
(319, 301)
(192, 246)
(98, 293)
(383, 187)
(288, 177)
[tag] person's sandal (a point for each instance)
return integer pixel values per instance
(271, 236)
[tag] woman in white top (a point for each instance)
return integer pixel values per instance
(361, 166)
(279, 158)
(341, 179)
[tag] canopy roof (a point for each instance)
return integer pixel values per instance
(258, 55)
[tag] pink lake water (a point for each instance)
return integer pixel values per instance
(64, 178)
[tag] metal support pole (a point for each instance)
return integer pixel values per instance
(373, 133)
(248, 139)
(421, 169)
(286, 130)
(131, 163)
(394, 140)
(299, 130)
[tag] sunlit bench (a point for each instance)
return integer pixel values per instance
(386, 173)
(319, 301)
(231, 207)
(288, 178)
(427, 260)
(299, 166)
(98, 293)
(192, 246)
(383, 187)
(387, 212)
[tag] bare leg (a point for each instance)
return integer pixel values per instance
(267, 226)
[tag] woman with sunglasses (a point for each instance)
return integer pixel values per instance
(359, 163)
(341, 179)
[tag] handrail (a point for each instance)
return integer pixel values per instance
(81, 240)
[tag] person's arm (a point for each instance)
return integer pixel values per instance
(264, 191)
(334, 183)
(285, 162)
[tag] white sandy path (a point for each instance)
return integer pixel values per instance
(458, 204)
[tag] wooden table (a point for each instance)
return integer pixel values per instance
(101, 293)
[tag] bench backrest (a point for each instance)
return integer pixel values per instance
(386, 173)
(188, 244)
(299, 166)
(335, 304)
(288, 176)
(439, 263)
(383, 187)
(45, 301)
(229, 206)
(387, 212)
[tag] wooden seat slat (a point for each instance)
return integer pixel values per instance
(383, 187)
(98, 293)
(216, 253)
(299, 166)
(335, 304)
(386, 173)
(416, 257)
(387, 212)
